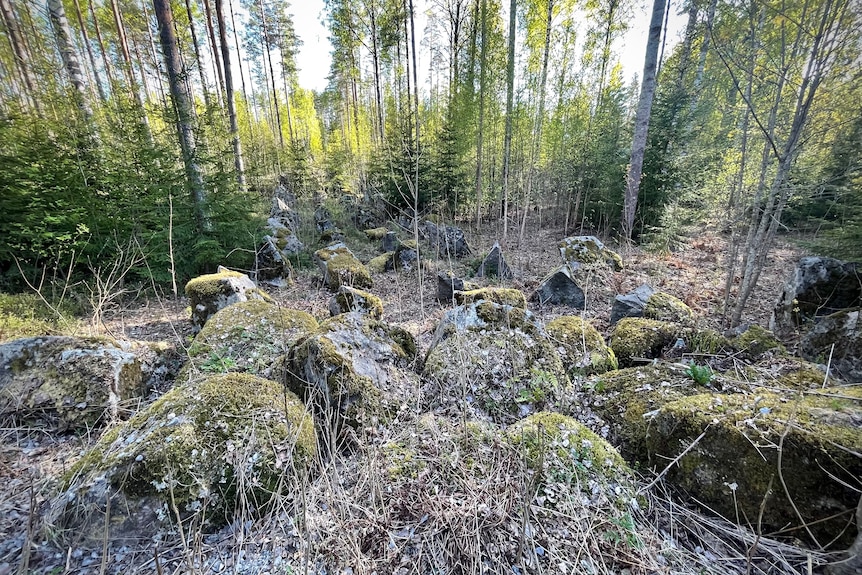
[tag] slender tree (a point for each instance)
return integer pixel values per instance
(63, 35)
(510, 92)
(86, 38)
(228, 84)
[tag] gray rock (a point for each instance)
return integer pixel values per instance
(559, 288)
(448, 240)
(837, 340)
(350, 299)
(212, 292)
(494, 265)
(817, 287)
(390, 242)
(341, 267)
(74, 383)
(447, 285)
(586, 250)
(631, 304)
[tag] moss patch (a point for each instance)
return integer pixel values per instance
(340, 267)
(640, 338)
(665, 307)
(376, 233)
(502, 296)
(756, 341)
(581, 347)
(351, 299)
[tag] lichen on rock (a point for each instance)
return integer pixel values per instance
(209, 449)
(586, 250)
(340, 267)
(581, 347)
(502, 296)
(212, 292)
(662, 306)
(376, 233)
(351, 299)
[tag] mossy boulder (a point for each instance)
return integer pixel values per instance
(662, 306)
(381, 263)
(354, 370)
(639, 338)
(247, 337)
(376, 234)
(225, 446)
(837, 340)
(340, 267)
(754, 341)
(581, 346)
(587, 250)
(75, 383)
(212, 292)
(503, 296)
(351, 299)
(795, 458)
(493, 361)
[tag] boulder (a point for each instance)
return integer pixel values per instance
(587, 250)
(635, 339)
(449, 241)
(752, 341)
(247, 337)
(340, 267)
(322, 219)
(380, 263)
(581, 346)
(447, 285)
(493, 361)
(836, 340)
(214, 450)
(503, 296)
(389, 242)
(631, 304)
(665, 307)
(494, 265)
(212, 292)
(271, 263)
(350, 299)
(354, 370)
(377, 234)
(283, 214)
(75, 383)
(402, 259)
(559, 288)
(816, 288)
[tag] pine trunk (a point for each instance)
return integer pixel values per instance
(228, 84)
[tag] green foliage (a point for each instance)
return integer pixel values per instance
(26, 315)
(700, 374)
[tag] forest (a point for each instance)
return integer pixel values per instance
(157, 130)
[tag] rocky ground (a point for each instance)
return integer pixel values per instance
(355, 514)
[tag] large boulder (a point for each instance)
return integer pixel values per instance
(354, 370)
(560, 288)
(816, 288)
(447, 285)
(836, 340)
(447, 240)
(75, 383)
(494, 265)
(217, 449)
(631, 304)
(635, 339)
(350, 299)
(247, 337)
(665, 307)
(493, 360)
(341, 267)
(581, 346)
(272, 259)
(212, 292)
(503, 296)
(587, 250)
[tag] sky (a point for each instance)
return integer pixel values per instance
(314, 55)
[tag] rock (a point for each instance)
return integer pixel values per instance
(837, 340)
(354, 370)
(75, 383)
(586, 250)
(502, 296)
(389, 242)
(493, 361)
(665, 307)
(447, 285)
(212, 292)
(331, 235)
(380, 263)
(218, 449)
(403, 260)
(581, 347)
(282, 214)
(753, 341)
(271, 263)
(640, 338)
(494, 265)
(449, 241)
(340, 267)
(851, 564)
(817, 287)
(559, 288)
(247, 337)
(322, 219)
(350, 299)
(631, 304)
(377, 234)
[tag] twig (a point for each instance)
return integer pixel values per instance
(787, 491)
(828, 364)
(675, 460)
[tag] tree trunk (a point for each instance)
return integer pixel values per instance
(185, 131)
(101, 41)
(197, 49)
(86, 38)
(63, 35)
(633, 179)
(507, 139)
(482, 77)
(268, 59)
(19, 53)
(217, 64)
(375, 60)
(228, 85)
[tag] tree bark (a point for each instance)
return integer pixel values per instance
(633, 179)
(185, 130)
(268, 59)
(217, 64)
(63, 35)
(196, 46)
(19, 53)
(101, 42)
(482, 78)
(228, 84)
(86, 37)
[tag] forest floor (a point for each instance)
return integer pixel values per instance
(31, 461)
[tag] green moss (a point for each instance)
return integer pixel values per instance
(705, 340)
(193, 443)
(755, 341)
(376, 233)
(583, 349)
(379, 264)
(349, 299)
(407, 245)
(502, 296)
(636, 338)
(342, 268)
(665, 307)
(209, 285)
(588, 252)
